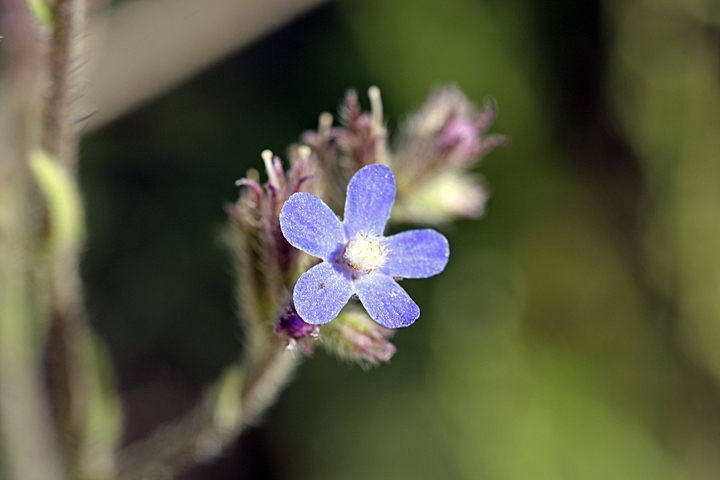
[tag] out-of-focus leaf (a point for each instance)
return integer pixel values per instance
(42, 13)
(66, 212)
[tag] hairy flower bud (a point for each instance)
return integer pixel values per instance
(360, 140)
(362, 136)
(434, 151)
(267, 264)
(298, 333)
(355, 336)
(448, 195)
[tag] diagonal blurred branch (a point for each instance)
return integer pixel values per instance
(150, 46)
(237, 399)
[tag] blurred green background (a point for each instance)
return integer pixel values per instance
(576, 331)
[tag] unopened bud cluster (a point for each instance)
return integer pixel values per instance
(424, 177)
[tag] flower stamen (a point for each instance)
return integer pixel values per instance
(364, 253)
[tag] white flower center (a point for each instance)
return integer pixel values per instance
(364, 253)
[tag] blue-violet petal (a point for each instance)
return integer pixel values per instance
(370, 195)
(308, 224)
(385, 301)
(321, 292)
(415, 254)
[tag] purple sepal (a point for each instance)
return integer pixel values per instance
(292, 325)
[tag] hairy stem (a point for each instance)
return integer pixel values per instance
(59, 137)
(266, 379)
(67, 315)
(202, 432)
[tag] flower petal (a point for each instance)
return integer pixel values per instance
(308, 224)
(321, 292)
(415, 254)
(370, 195)
(385, 301)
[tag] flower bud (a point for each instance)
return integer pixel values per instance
(268, 266)
(450, 195)
(432, 155)
(297, 332)
(355, 336)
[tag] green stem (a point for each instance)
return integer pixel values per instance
(68, 328)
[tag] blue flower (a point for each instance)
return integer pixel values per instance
(357, 258)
